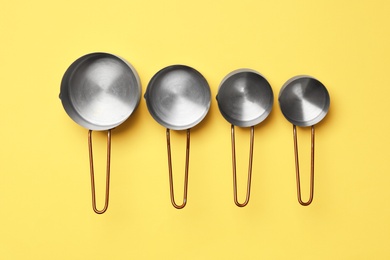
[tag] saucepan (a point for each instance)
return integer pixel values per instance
(245, 99)
(304, 102)
(99, 91)
(178, 98)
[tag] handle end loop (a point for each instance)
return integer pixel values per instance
(248, 192)
(172, 193)
(97, 211)
(299, 195)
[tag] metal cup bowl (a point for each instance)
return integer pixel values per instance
(245, 98)
(304, 100)
(178, 97)
(99, 91)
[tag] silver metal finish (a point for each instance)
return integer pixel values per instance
(245, 98)
(178, 97)
(304, 100)
(99, 91)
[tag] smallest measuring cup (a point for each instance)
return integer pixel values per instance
(304, 101)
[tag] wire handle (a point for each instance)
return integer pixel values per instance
(107, 172)
(170, 170)
(307, 203)
(252, 137)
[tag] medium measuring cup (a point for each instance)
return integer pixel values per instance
(304, 101)
(245, 99)
(99, 91)
(178, 98)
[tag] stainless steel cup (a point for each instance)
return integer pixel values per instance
(304, 101)
(245, 99)
(99, 91)
(178, 98)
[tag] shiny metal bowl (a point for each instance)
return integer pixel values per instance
(304, 100)
(178, 97)
(99, 91)
(245, 98)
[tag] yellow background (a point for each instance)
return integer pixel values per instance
(45, 200)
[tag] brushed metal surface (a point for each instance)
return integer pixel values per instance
(304, 100)
(178, 97)
(99, 91)
(245, 98)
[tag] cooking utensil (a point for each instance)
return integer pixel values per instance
(99, 91)
(178, 98)
(245, 99)
(304, 101)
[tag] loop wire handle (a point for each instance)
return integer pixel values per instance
(186, 171)
(107, 172)
(311, 167)
(252, 137)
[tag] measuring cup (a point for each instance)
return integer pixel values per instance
(304, 101)
(178, 98)
(245, 99)
(99, 91)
